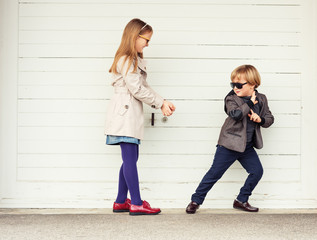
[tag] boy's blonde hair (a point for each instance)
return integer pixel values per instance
(130, 34)
(250, 73)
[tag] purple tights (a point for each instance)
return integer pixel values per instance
(128, 176)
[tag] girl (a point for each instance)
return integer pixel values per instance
(124, 124)
(247, 111)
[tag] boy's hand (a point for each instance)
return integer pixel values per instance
(254, 117)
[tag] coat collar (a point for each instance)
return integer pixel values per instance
(237, 99)
(233, 93)
(142, 64)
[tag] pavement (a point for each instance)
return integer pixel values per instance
(102, 224)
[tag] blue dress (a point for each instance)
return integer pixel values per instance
(116, 140)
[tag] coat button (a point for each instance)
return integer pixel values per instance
(153, 106)
(126, 106)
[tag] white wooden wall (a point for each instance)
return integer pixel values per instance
(65, 48)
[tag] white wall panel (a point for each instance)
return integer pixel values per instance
(157, 161)
(179, 120)
(161, 24)
(95, 106)
(65, 50)
(171, 92)
(163, 37)
(172, 51)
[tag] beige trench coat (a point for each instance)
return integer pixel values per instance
(125, 111)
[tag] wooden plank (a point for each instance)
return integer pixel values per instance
(221, 191)
(66, 78)
(150, 10)
(177, 120)
(200, 2)
(289, 147)
(145, 161)
(218, 79)
(159, 65)
(209, 120)
(216, 65)
(57, 106)
(163, 38)
(154, 79)
(265, 190)
(97, 23)
(152, 134)
(62, 119)
(101, 191)
(172, 92)
(148, 175)
(100, 106)
(170, 51)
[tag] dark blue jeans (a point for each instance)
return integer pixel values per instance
(224, 158)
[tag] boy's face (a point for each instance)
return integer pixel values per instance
(246, 89)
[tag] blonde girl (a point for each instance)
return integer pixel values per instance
(125, 121)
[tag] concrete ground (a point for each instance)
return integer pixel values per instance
(97, 224)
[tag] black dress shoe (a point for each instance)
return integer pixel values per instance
(244, 206)
(192, 207)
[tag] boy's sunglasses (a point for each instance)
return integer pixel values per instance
(237, 85)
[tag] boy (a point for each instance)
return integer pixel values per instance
(247, 111)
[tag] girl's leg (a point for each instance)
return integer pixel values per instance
(123, 188)
(130, 155)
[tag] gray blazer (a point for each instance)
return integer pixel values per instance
(131, 90)
(233, 134)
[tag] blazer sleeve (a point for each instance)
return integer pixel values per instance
(267, 117)
(136, 87)
(234, 110)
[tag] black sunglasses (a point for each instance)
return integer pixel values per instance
(237, 85)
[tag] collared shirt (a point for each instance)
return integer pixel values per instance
(250, 124)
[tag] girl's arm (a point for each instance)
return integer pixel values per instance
(137, 89)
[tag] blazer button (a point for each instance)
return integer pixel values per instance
(153, 106)
(126, 106)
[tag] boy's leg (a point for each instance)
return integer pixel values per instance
(251, 163)
(223, 159)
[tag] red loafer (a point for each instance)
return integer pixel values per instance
(144, 209)
(122, 207)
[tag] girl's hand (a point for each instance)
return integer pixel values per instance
(167, 108)
(254, 117)
(253, 98)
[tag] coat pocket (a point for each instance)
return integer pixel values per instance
(123, 109)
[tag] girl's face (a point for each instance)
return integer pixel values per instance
(143, 41)
(246, 89)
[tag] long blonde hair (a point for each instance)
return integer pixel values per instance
(127, 45)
